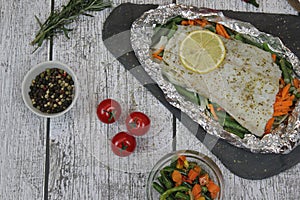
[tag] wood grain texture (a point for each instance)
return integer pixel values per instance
(82, 165)
(22, 145)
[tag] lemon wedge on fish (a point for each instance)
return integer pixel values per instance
(202, 51)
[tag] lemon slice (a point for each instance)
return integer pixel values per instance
(202, 51)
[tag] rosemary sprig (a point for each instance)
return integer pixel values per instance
(57, 21)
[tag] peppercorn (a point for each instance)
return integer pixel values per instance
(52, 91)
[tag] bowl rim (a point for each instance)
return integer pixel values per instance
(37, 69)
(166, 159)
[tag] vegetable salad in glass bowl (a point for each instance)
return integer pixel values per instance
(185, 174)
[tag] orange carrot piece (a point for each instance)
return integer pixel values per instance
(279, 113)
(196, 190)
(177, 177)
(213, 189)
(201, 22)
(197, 169)
(274, 57)
(157, 57)
(296, 83)
(159, 50)
(269, 125)
(285, 90)
(184, 22)
(192, 174)
(279, 104)
(213, 112)
(155, 54)
(191, 22)
(222, 31)
(186, 179)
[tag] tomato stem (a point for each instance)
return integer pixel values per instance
(112, 114)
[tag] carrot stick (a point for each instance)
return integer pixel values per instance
(212, 110)
(285, 90)
(274, 57)
(296, 83)
(201, 22)
(184, 22)
(279, 104)
(269, 125)
(157, 57)
(222, 31)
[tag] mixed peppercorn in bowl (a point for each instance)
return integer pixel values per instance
(50, 89)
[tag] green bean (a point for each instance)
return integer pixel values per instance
(172, 190)
(267, 48)
(172, 31)
(167, 182)
(176, 20)
(247, 39)
(158, 188)
(186, 184)
(190, 96)
(285, 72)
(168, 169)
(182, 196)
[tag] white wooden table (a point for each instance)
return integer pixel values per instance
(59, 158)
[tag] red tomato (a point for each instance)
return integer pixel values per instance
(109, 111)
(123, 144)
(137, 123)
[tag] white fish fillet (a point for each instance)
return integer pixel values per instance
(245, 84)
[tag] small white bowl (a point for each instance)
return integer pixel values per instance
(31, 75)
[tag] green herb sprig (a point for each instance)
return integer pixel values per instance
(57, 21)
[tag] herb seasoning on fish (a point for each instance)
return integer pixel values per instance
(52, 91)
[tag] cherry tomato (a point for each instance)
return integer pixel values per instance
(123, 144)
(108, 111)
(137, 123)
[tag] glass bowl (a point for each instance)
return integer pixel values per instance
(202, 160)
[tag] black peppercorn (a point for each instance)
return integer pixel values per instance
(47, 91)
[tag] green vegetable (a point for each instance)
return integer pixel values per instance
(172, 190)
(190, 96)
(168, 29)
(247, 39)
(285, 72)
(167, 182)
(182, 196)
(58, 21)
(158, 187)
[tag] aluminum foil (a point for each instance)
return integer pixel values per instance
(282, 140)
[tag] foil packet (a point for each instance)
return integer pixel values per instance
(282, 140)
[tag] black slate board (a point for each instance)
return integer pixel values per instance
(116, 37)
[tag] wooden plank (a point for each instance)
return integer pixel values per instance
(22, 145)
(82, 166)
(265, 6)
(286, 184)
